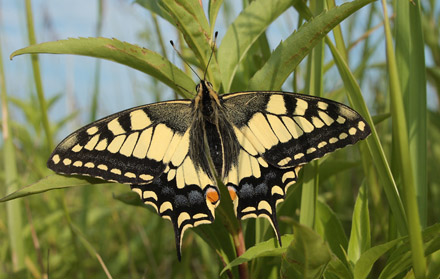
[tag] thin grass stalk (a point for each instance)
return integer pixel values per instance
(413, 87)
(13, 208)
(37, 75)
(310, 188)
(409, 195)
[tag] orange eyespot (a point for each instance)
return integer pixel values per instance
(232, 193)
(212, 195)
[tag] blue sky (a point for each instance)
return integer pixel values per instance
(73, 76)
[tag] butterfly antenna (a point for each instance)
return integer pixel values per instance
(181, 56)
(212, 53)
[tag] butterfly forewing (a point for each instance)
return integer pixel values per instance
(289, 129)
(127, 147)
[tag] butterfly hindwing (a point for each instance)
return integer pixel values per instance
(130, 147)
(289, 129)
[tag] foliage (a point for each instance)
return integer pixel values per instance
(335, 221)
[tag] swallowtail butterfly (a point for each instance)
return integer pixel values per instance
(172, 152)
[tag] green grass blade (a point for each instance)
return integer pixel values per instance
(136, 57)
(11, 181)
(373, 142)
(290, 52)
(410, 57)
(262, 249)
(401, 131)
(37, 76)
(154, 7)
(243, 32)
(360, 239)
(191, 20)
(53, 182)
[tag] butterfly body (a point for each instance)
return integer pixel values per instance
(172, 153)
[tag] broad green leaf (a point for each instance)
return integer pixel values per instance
(307, 255)
(191, 20)
(154, 6)
(360, 239)
(243, 32)
(214, 7)
(330, 228)
(400, 259)
(268, 248)
(134, 56)
(368, 258)
(290, 53)
(53, 182)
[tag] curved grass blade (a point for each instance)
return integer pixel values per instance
(243, 32)
(131, 55)
(290, 53)
(190, 19)
(262, 249)
(53, 182)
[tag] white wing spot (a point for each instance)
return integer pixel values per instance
(165, 206)
(128, 146)
(317, 122)
(102, 167)
(287, 175)
(78, 164)
(171, 174)
(277, 189)
(276, 105)
(89, 165)
(115, 127)
(333, 140)
(311, 150)
(293, 128)
(326, 118)
(77, 148)
(279, 128)
(92, 130)
(264, 205)
(284, 161)
(116, 171)
(343, 136)
(301, 107)
(161, 139)
(146, 177)
(261, 129)
(140, 151)
(92, 142)
(67, 161)
(340, 120)
(56, 158)
(322, 105)
(182, 218)
(149, 194)
(361, 125)
(298, 156)
(130, 175)
(139, 120)
(116, 144)
(322, 144)
(352, 131)
(102, 145)
(305, 125)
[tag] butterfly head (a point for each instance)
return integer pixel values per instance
(206, 100)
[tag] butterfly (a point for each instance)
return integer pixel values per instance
(172, 152)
